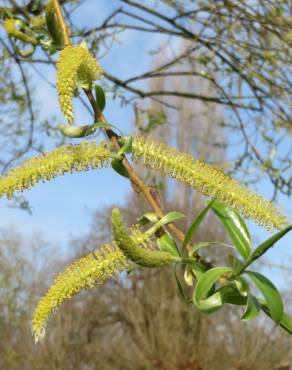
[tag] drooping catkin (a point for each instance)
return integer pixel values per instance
(133, 251)
(85, 273)
(68, 158)
(208, 180)
(75, 64)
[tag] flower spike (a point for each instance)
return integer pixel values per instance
(75, 64)
(85, 273)
(68, 158)
(208, 180)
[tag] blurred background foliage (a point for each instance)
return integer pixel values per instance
(133, 323)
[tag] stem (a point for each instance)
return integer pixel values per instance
(137, 183)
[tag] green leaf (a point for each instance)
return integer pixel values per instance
(216, 300)
(211, 304)
(286, 321)
(119, 168)
(270, 293)
(100, 97)
(207, 280)
(235, 227)
(242, 286)
(198, 246)
(170, 217)
(269, 243)
(148, 217)
(194, 226)
(235, 263)
(233, 297)
(167, 244)
(252, 308)
(126, 147)
(180, 288)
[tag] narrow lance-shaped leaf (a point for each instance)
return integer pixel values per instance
(210, 304)
(232, 296)
(270, 293)
(252, 308)
(207, 280)
(216, 300)
(167, 244)
(235, 227)
(148, 217)
(201, 245)
(269, 243)
(118, 166)
(180, 288)
(100, 97)
(286, 321)
(242, 286)
(170, 217)
(166, 241)
(235, 263)
(194, 226)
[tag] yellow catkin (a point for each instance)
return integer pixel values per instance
(208, 180)
(85, 273)
(68, 158)
(135, 251)
(75, 64)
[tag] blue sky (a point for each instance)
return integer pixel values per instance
(62, 208)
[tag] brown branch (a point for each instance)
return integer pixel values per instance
(137, 183)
